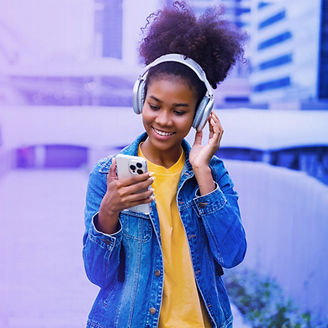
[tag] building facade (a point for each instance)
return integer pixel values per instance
(323, 64)
(284, 49)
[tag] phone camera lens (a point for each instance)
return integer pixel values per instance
(139, 171)
(132, 167)
(139, 165)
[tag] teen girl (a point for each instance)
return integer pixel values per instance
(163, 269)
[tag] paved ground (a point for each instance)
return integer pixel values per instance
(42, 280)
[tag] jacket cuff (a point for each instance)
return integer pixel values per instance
(211, 202)
(104, 240)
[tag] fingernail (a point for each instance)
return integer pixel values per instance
(151, 174)
(152, 178)
(152, 197)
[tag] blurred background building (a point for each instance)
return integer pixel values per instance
(51, 57)
(288, 52)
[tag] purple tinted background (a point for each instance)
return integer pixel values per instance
(50, 56)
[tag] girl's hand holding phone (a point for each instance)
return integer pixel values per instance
(122, 194)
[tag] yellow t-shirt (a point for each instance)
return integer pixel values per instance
(181, 304)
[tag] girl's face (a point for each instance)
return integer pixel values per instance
(168, 112)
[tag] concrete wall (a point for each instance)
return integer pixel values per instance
(285, 214)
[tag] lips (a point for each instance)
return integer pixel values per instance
(163, 133)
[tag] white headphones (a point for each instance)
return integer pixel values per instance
(205, 106)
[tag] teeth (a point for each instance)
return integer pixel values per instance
(162, 133)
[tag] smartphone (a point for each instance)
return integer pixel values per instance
(128, 166)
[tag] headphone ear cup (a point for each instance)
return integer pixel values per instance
(141, 95)
(203, 112)
(200, 113)
(138, 96)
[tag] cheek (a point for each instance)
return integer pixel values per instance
(190, 118)
(185, 125)
(145, 114)
(146, 118)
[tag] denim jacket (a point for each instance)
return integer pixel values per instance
(128, 265)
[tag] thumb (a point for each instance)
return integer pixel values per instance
(198, 138)
(112, 172)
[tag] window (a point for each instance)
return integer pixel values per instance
(273, 19)
(276, 39)
(112, 29)
(282, 60)
(262, 4)
(241, 10)
(234, 99)
(274, 84)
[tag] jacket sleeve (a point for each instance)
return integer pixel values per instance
(101, 252)
(220, 214)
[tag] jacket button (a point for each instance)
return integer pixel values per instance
(202, 204)
(157, 273)
(152, 310)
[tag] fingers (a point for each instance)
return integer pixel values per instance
(132, 189)
(119, 197)
(139, 198)
(216, 129)
(137, 187)
(136, 194)
(135, 179)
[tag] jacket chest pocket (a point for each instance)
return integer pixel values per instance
(136, 226)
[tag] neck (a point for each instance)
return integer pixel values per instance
(163, 158)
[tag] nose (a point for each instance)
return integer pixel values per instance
(163, 117)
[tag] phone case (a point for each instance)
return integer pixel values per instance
(128, 166)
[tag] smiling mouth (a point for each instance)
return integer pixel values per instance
(163, 133)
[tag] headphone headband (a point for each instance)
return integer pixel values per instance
(178, 58)
(207, 102)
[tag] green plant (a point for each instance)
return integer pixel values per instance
(263, 304)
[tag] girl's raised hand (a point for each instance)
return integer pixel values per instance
(200, 155)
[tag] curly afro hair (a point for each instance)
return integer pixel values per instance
(212, 42)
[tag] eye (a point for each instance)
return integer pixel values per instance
(179, 112)
(154, 107)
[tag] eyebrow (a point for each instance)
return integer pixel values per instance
(176, 105)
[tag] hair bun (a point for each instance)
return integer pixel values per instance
(210, 40)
